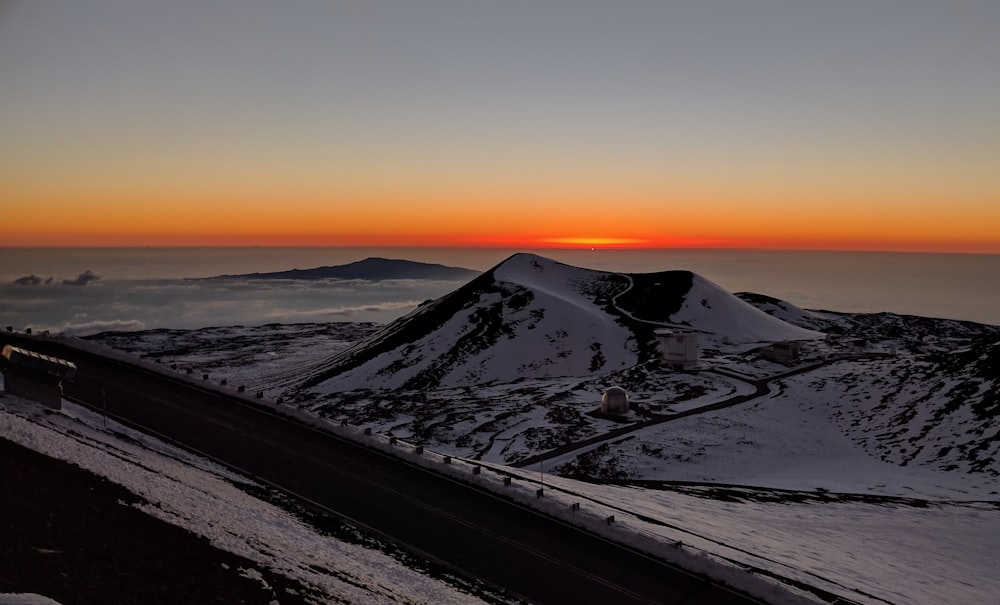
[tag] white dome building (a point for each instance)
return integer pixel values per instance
(614, 401)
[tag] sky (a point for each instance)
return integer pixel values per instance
(867, 125)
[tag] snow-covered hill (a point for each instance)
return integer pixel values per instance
(795, 483)
(868, 468)
(531, 317)
(709, 308)
(940, 410)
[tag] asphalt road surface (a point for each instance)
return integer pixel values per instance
(534, 557)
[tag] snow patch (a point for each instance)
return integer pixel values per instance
(710, 308)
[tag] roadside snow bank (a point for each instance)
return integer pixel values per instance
(207, 500)
(26, 599)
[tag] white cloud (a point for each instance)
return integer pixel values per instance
(102, 325)
(112, 304)
(343, 311)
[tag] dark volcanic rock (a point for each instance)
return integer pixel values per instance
(369, 269)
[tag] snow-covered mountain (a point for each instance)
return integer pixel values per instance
(880, 442)
(532, 317)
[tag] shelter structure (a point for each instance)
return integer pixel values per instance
(679, 347)
(35, 376)
(789, 351)
(614, 401)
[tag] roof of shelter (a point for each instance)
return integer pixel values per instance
(24, 358)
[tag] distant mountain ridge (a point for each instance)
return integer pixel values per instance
(533, 317)
(369, 269)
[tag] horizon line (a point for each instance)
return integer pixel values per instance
(514, 247)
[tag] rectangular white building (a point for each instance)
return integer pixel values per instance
(679, 347)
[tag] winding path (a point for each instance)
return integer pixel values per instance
(762, 387)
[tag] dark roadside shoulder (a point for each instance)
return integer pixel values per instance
(72, 535)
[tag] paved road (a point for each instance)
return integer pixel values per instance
(761, 388)
(534, 557)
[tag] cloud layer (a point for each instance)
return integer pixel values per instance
(127, 305)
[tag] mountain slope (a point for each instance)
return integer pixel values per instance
(499, 326)
(940, 410)
(709, 308)
(532, 317)
(369, 269)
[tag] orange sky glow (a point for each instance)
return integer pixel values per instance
(665, 126)
(158, 224)
(50, 217)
